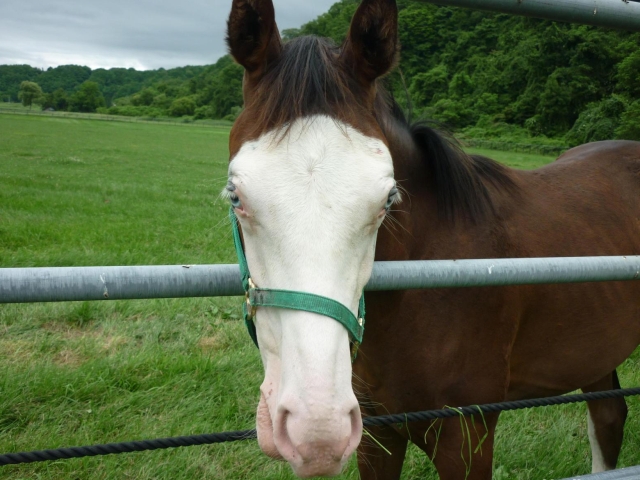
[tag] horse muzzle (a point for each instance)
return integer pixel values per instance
(315, 437)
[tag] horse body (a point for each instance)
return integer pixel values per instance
(314, 155)
(428, 349)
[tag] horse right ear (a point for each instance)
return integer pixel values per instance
(371, 48)
(252, 34)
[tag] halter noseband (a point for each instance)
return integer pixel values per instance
(308, 302)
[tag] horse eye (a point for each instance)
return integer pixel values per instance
(233, 197)
(235, 201)
(391, 198)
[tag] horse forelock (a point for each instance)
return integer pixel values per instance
(307, 79)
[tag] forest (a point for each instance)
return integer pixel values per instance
(482, 75)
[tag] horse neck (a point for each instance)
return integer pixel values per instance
(404, 236)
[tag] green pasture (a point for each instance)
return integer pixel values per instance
(14, 106)
(19, 109)
(81, 192)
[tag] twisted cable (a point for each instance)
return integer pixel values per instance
(211, 438)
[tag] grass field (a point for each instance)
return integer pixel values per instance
(78, 192)
(14, 106)
(19, 109)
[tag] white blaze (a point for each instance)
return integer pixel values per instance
(312, 203)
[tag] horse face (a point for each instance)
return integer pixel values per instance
(310, 193)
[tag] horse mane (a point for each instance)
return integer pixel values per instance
(461, 180)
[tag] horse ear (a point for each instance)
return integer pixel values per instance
(252, 34)
(371, 48)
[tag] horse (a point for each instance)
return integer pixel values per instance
(320, 156)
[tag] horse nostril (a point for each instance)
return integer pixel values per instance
(356, 431)
(281, 434)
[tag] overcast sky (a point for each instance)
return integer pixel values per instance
(143, 34)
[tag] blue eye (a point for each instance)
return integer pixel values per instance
(391, 198)
(233, 196)
(235, 201)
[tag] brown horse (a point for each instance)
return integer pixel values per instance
(314, 155)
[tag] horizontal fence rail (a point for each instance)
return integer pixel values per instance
(23, 285)
(631, 473)
(619, 14)
(58, 284)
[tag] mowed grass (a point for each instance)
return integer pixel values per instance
(79, 192)
(14, 106)
(522, 161)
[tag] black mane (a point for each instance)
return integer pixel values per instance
(461, 180)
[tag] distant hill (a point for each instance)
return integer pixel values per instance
(487, 75)
(213, 89)
(114, 83)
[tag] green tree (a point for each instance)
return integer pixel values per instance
(182, 106)
(426, 85)
(598, 121)
(144, 98)
(554, 104)
(289, 33)
(161, 101)
(57, 100)
(629, 128)
(460, 85)
(67, 77)
(333, 24)
(628, 75)
(12, 75)
(226, 90)
(88, 98)
(452, 112)
(30, 93)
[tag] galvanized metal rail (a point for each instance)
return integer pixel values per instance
(619, 14)
(631, 473)
(25, 285)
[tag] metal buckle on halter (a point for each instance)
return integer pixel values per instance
(355, 345)
(250, 308)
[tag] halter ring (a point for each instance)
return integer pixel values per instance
(250, 308)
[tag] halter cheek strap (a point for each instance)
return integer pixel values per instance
(267, 297)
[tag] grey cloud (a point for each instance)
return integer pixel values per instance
(142, 34)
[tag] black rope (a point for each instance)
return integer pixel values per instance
(207, 439)
(125, 447)
(496, 407)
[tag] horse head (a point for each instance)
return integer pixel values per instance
(310, 182)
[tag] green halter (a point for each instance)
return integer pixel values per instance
(266, 297)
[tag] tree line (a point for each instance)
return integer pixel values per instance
(87, 98)
(114, 83)
(495, 75)
(483, 75)
(212, 91)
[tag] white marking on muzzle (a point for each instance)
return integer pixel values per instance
(312, 203)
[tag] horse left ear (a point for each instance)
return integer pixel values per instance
(371, 48)
(252, 34)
